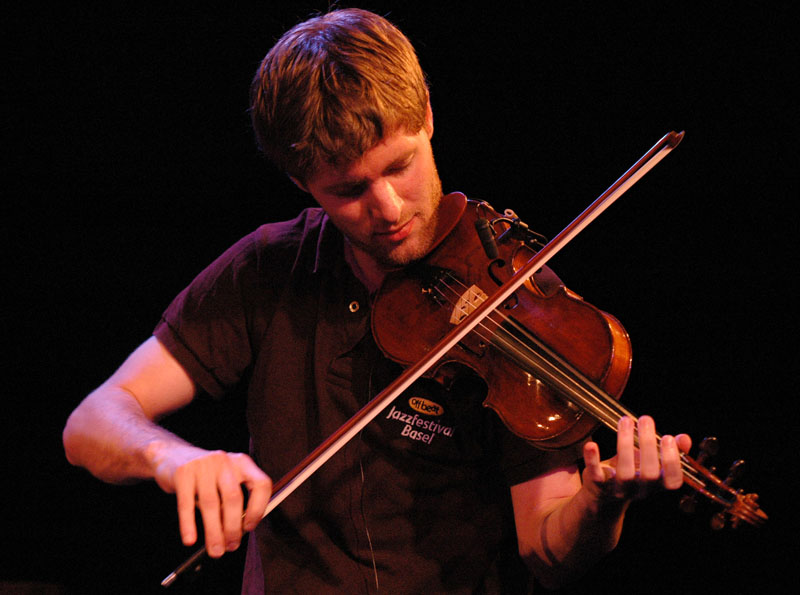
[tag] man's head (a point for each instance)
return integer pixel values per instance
(332, 88)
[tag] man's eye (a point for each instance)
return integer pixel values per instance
(400, 168)
(354, 192)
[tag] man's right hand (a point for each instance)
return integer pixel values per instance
(113, 433)
(212, 482)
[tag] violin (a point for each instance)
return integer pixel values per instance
(555, 366)
(546, 359)
(535, 352)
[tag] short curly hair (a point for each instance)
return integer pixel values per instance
(332, 87)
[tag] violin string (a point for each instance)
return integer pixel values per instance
(590, 398)
(606, 410)
(595, 401)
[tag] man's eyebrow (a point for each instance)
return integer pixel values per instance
(351, 184)
(402, 159)
(344, 186)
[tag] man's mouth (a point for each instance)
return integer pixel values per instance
(397, 234)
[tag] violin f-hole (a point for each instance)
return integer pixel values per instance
(496, 263)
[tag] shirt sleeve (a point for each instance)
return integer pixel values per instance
(206, 326)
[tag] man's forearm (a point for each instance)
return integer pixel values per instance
(570, 536)
(110, 436)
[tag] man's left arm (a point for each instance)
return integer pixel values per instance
(566, 521)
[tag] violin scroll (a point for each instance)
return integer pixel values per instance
(737, 506)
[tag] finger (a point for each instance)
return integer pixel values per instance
(671, 463)
(649, 464)
(684, 442)
(626, 459)
(259, 487)
(185, 495)
(208, 503)
(230, 493)
(591, 459)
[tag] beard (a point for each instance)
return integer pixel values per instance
(422, 238)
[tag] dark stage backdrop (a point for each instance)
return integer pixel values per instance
(132, 166)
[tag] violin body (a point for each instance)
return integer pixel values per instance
(415, 308)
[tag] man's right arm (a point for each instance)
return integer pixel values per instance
(113, 433)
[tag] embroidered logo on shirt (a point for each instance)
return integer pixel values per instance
(425, 406)
(419, 428)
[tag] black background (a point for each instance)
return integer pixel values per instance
(132, 166)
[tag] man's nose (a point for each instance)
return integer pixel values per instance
(385, 203)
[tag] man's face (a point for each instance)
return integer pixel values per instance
(386, 202)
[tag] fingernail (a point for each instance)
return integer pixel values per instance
(233, 546)
(217, 551)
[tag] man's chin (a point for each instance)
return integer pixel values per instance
(400, 258)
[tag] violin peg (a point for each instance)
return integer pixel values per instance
(709, 447)
(735, 472)
(688, 503)
(718, 521)
(710, 444)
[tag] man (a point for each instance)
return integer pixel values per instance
(435, 495)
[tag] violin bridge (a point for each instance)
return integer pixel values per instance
(467, 303)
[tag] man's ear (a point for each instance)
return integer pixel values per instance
(299, 184)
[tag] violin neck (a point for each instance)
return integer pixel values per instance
(537, 359)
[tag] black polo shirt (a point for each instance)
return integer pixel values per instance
(419, 498)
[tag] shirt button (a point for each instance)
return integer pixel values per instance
(354, 306)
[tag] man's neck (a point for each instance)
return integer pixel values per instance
(364, 267)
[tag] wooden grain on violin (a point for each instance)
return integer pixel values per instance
(514, 345)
